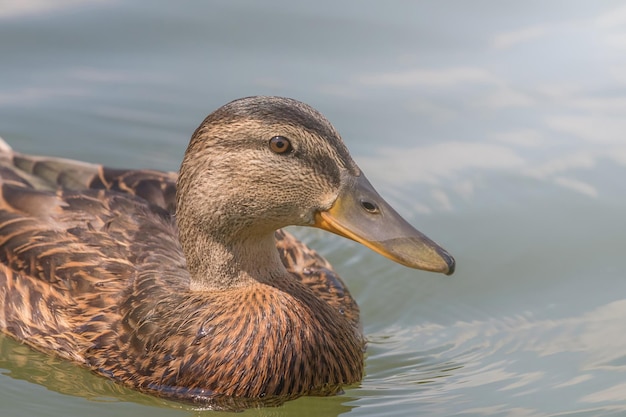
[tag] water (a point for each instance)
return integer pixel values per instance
(495, 127)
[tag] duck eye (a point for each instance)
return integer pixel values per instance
(280, 144)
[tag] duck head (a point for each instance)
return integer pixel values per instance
(261, 163)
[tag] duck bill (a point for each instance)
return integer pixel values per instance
(361, 214)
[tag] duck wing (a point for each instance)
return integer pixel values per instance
(69, 250)
(48, 173)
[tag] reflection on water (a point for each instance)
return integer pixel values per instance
(463, 165)
(19, 362)
(469, 362)
(496, 127)
(502, 364)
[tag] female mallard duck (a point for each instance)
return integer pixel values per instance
(200, 305)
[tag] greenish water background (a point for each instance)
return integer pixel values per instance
(496, 127)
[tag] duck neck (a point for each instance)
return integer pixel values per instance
(217, 263)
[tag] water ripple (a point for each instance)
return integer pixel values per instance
(496, 366)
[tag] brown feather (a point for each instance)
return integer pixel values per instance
(91, 269)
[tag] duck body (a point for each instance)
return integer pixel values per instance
(177, 285)
(98, 276)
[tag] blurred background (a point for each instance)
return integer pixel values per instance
(498, 128)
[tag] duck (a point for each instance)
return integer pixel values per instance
(185, 285)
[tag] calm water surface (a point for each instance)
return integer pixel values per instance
(496, 127)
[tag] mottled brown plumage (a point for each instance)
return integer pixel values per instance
(211, 305)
